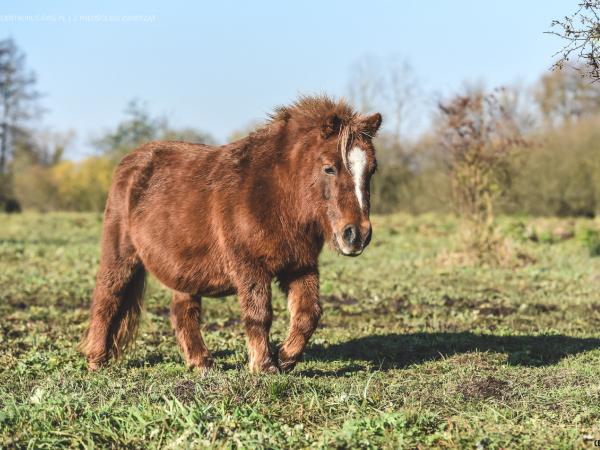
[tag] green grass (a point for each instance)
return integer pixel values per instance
(414, 350)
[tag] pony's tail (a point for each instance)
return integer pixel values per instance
(127, 320)
(115, 318)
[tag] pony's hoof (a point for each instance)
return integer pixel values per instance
(267, 367)
(272, 369)
(287, 366)
(285, 361)
(94, 365)
(203, 366)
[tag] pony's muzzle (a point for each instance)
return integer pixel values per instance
(354, 238)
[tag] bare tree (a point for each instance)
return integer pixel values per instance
(517, 101)
(581, 31)
(401, 90)
(17, 99)
(392, 88)
(564, 96)
(365, 87)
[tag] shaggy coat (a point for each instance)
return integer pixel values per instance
(216, 221)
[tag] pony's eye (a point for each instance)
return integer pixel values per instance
(329, 170)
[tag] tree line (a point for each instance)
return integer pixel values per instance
(525, 149)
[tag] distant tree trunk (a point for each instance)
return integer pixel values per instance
(4, 137)
(3, 148)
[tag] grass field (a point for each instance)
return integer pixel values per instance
(415, 349)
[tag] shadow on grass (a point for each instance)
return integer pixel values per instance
(394, 351)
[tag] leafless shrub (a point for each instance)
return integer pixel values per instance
(477, 134)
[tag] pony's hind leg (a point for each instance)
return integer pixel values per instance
(186, 312)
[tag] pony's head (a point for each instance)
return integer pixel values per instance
(346, 164)
(337, 160)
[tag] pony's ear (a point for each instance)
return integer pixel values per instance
(370, 124)
(331, 126)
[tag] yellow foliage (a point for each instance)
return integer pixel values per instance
(77, 186)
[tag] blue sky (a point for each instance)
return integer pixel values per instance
(218, 66)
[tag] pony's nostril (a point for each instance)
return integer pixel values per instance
(350, 234)
(368, 237)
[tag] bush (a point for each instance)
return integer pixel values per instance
(560, 174)
(70, 186)
(591, 240)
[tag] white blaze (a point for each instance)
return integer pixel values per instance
(357, 164)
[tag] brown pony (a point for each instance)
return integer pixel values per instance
(214, 221)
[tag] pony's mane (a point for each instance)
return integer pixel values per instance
(313, 111)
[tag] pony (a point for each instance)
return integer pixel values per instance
(220, 220)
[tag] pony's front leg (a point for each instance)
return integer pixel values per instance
(257, 315)
(186, 312)
(305, 311)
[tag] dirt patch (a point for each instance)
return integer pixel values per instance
(564, 377)
(185, 391)
(483, 307)
(162, 311)
(450, 301)
(482, 361)
(396, 305)
(484, 388)
(343, 299)
(591, 307)
(496, 310)
(541, 307)
(230, 322)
